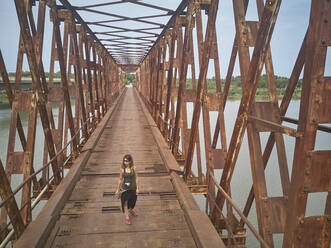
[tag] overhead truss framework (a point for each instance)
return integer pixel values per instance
(116, 32)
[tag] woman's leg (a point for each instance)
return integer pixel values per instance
(131, 205)
(126, 210)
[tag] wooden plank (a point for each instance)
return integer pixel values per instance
(157, 239)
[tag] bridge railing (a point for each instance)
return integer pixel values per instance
(16, 216)
(231, 240)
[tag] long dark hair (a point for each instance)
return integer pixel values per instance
(129, 158)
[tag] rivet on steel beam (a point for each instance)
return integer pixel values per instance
(323, 42)
(307, 172)
(305, 189)
(299, 237)
(309, 155)
(326, 21)
(301, 221)
(314, 121)
(319, 80)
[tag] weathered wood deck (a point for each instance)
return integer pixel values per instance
(91, 215)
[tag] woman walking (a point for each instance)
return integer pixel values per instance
(128, 187)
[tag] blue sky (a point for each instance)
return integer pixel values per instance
(288, 35)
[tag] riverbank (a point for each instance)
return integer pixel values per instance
(234, 94)
(235, 91)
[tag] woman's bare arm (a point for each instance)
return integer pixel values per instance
(119, 181)
(136, 174)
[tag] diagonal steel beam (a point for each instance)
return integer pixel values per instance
(262, 43)
(172, 20)
(124, 17)
(68, 6)
(126, 29)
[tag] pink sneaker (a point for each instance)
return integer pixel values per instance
(127, 221)
(133, 212)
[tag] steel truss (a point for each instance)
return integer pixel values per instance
(157, 82)
(92, 74)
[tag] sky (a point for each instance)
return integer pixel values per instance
(286, 41)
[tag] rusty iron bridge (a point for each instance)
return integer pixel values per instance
(100, 119)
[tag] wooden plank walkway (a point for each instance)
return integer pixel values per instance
(91, 215)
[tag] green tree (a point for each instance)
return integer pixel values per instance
(129, 78)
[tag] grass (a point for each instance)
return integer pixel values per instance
(235, 91)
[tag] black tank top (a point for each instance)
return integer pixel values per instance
(129, 180)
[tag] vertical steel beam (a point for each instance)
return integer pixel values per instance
(262, 43)
(297, 232)
(63, 73)
(11, 206)
(182, 76)
(41, 103)
(201, 85)
(11, 97)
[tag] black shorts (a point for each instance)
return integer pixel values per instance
(131, 197)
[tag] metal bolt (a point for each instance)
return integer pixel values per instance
(305, 189)
(326, 21)
(323, 42)
(307, 172)
(299, 237)
(302, 221)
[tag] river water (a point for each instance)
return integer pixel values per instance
(241, 180)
